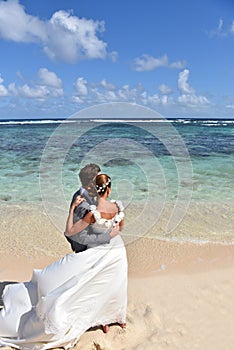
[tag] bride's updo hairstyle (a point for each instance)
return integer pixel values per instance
(103, 182)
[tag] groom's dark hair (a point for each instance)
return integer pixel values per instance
(88, 173)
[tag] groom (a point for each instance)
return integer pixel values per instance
(79, 241)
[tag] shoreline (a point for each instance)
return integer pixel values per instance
(147, 257)
(199, 223)
(29, 235)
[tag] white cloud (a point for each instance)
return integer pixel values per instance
(221, 30)
(18, 26)
(193, 100)
(218, 30)
(164, 89)
(232, 27)
(147, 63)
(25, 91)
(77, 99)
(49, 78)
(56, 92)
(48, 86)
(19, 76)
(107, 86)
(74, 38)
(164, 100)
(103, 91)
(106, 96)
(177, 64)
(220, 26)
(125, 93)
(3, 89)
(183, 85)
(144, 97)
(113, 56)
(81, 88)
(122, 94)
(154, 99)
(103, 84)
(188, 96)
(64, 37)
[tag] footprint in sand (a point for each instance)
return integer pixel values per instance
(144, 323)
(149, 331)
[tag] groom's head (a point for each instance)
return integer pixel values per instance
(88, 174)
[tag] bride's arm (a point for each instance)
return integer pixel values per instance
(119, 227)
(80, 225)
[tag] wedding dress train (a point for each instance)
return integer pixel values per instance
(66, 298)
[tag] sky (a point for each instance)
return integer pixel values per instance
(175, 57)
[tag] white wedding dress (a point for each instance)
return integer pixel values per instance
(66, 298)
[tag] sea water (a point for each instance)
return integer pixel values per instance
(163, 160)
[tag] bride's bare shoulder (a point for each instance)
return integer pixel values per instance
(108, 207)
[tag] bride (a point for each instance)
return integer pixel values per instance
(73, 294)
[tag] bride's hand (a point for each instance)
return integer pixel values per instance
(115, 231)
(77, 201)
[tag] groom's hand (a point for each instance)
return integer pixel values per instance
(79, 199)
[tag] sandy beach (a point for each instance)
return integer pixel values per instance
(180, 295)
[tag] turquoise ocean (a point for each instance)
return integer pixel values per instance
(166, 160)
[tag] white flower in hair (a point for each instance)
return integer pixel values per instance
(102, 188)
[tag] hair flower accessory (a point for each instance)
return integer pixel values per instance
(103, 187)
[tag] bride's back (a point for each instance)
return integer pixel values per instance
(107, 209)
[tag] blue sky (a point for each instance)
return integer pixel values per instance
(175, 57)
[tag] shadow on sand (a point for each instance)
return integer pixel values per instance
(2, 286)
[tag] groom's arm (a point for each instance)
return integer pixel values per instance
(90, 239)
(84, 237)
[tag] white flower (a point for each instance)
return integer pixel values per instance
(101, 221)
(108, 223)
(115, 220)
(97, 215)
(121, 215)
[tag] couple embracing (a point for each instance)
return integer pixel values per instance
(84, 289)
